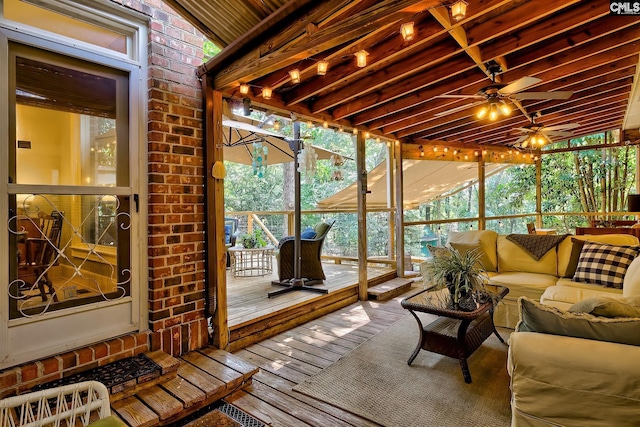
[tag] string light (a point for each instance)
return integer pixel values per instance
(276, 125)
(295, 76)
(323, 66)
(325, 124)
(421, 151)
(361, 58)
(407, 31)
(355, 131)
(459, 10)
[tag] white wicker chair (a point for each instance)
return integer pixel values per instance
(59, 406)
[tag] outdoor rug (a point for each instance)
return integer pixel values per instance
(375, 382)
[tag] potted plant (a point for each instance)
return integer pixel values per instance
(462, 274)
(253, 240)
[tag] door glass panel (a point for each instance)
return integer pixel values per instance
(71, 245)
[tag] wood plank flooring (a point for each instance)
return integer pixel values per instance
(292, 356)
(247, 296)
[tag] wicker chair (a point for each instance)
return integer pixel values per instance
(311, 250)
(76, 404)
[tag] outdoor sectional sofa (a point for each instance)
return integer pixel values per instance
(548, 278)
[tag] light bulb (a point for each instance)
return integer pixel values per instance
(505, 109)
(325, 124)
(493, 114)
(266, 92)
(244, 88)
(482, 112)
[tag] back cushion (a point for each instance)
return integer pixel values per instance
(512, 257)
(564, 248)
(486, 239)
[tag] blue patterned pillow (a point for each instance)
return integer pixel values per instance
(604, 265)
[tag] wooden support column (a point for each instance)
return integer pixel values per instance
(362, 217)
(214, 190)
(539, 192)
(390, 199)
(399, 210)
(482, 212)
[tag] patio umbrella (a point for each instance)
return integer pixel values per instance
(240, 136)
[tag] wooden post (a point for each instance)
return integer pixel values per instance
(482, 213)
(362, 217)
(399, 210)
(390, 199)
(214, 193)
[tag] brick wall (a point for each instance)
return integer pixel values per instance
(176, 245)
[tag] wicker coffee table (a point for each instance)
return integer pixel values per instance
(456, 332)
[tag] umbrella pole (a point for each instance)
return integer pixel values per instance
(297, 282)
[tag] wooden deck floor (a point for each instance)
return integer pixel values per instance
(247, 296)
(253, 317)
(293, 356)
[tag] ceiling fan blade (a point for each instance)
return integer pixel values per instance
(525, 129)
(560, 94)
(562, 127)
(558, 133)
(462, 96)
(459, 108)
(522, 138)
(520, 84)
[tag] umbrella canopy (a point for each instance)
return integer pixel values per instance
(240, 136)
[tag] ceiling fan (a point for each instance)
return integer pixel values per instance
(537, 134)
(495, 96)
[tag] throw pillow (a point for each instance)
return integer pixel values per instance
(535, 317)
(438, 251)
(608, 307)
(321, 228)
(604, 265)
(308, 233)
(576, 248)
(463, 248)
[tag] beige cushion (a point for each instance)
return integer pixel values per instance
(484, 261)
(558, 380)
(565, 247)
(535, 317)
(608, 307)
(569, 295)
(631, 284)
(512, 257)
(110, 421)
(487, 240)
(321, 228)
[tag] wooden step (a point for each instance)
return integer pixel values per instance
(168, 370)
(390, 289)
(203, 377)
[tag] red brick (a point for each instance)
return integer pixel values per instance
(69, 360)
(85, 355)
(115, 346)
(49, 366)
(8, 379)
(101, 350)
(129, 342)
(28, 372)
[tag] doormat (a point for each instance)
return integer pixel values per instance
(116, 375)
(217, 414)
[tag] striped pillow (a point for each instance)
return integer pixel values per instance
(604, 265)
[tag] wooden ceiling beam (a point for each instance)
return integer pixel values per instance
(558, 24)
(585, 34)
(386, 52)
(399, 72)
(380, 110)
(252, 66)
(429, 84)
